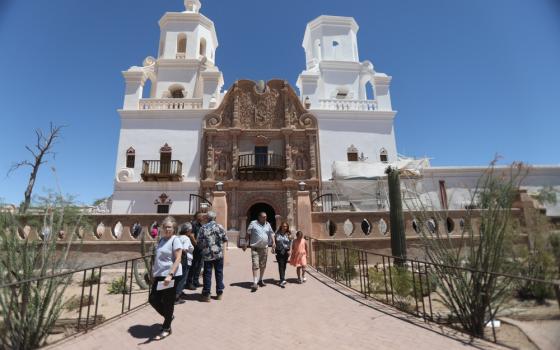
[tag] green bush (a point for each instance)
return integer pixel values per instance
(118, 286)
(73, 302)
(91, 280)
(403, 282)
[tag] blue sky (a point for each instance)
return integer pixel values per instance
(470, 78)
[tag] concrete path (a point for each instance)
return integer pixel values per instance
(316, 315)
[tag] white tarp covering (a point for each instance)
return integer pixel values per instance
(364, 170)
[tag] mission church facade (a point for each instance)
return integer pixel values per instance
(182, 136)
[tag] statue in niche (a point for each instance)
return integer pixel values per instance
(260, 87)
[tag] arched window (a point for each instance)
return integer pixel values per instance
(383, 157)
(130, 157)
(147, 89)
(352, 153)
(181, 44)
(176, 91)
(202, 50)
(341, 93)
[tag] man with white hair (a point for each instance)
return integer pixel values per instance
(259, 235)
(211, 239)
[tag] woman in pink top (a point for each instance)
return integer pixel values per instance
(299, 256)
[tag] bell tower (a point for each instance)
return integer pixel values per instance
(185, 65)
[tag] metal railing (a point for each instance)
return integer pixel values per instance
(377, 277)
(261, 161)
(131, 295)
(323, 203)
(154, 170)
(197, 202)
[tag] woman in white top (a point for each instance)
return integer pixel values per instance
(166, 269)
(186, 237)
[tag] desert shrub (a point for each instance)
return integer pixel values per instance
(118, 286)
(30, 310)
(475, 294)
(91, 280)
(73, 303)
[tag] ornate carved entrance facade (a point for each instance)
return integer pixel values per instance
(260, 142)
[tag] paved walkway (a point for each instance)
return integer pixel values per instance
(316, 315)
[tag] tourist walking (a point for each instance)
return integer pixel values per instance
(166, 270)
(211, 239)
(282, 240)
(187, 240)
(154, 230)
(299, 256)
(260, 236)
(193, 278)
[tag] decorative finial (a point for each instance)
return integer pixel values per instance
(192, 6)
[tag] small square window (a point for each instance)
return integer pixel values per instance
(163, 209)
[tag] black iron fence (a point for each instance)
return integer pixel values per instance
(411, 286)
(198, 203)
(323, 203)
(261, 161)
(95, 294)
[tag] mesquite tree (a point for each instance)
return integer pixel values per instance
(398, 240)
(41, 149)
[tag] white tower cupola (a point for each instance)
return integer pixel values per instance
(334, 77)
(185, 68)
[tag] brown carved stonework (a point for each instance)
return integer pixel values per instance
(165, 149)
(269, 115)
(277, 107)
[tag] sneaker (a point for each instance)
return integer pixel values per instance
(304, 280)
(219, 296)
(179, 301)
(262, 284)
(205, 298)
(191, 287)
(283, 284)
(254, 287)
(299, 280)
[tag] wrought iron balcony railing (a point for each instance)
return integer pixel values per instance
(261, 166)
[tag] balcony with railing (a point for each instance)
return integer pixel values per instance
(348, 105)
(170, 103)
(261, 166)
(157, 170)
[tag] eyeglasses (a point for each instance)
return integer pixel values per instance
(168, 227)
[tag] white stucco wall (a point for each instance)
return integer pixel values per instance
(460, 182)
(367, 131)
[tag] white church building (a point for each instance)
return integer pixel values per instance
(183, 134)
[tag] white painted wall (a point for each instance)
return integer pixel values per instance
(367, 131)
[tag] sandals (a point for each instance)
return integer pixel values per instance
(164, 334)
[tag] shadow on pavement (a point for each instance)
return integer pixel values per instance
(245, 285)
(141, 331)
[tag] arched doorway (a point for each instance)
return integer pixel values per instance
(257, 208)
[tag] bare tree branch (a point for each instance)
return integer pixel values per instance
(42, 149)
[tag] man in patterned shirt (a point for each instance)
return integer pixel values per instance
(211, 238)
